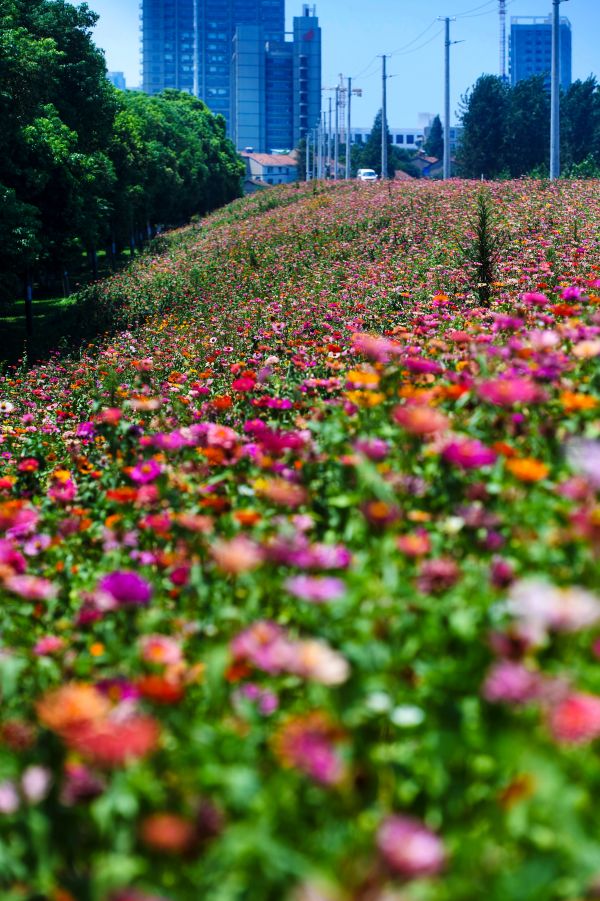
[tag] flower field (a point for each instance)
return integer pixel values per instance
(299, 568)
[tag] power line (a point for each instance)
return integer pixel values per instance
(414, 40)
(421, 46)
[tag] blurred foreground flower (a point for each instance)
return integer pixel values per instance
(409, 848)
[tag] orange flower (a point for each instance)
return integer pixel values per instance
(160, 689)
(526, 469)
(71, 705)
(574, 402)
(167, 832)
(247, 517)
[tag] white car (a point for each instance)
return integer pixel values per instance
(366, 175)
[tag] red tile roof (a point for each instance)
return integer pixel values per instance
(271, 159)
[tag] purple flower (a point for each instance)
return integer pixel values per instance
(409, 848)
(317, 589)
(126, 588)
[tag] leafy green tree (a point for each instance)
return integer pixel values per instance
(527, 141)
(580, 122)
(370, 152)
(434, 145)
(484, 112)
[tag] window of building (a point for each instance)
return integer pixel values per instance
(410, 139)
(399, 139)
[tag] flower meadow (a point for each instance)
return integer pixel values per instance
(299, 573)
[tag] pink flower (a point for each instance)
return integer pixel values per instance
(32, 588)
(468, 453)
(243, 384)
(437, 575)
(420, 419)
(9, 798)
(160, 649)
(35, 783)
(10, 558)
(317, 589)
(265, 645)
(317, 661)
(376, 347)
(409, 848)
(576, 719)
(511, 683)
(506, 392)
(547, 606)
(63, 492)
(50, 644)
(236, 556)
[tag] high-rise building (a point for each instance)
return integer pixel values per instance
(307, 72)
(248, 108)
(168, 44)
(233, 55)
(117, 79)
(530, 49)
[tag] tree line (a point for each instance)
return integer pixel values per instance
(84, 166)
(507, 129)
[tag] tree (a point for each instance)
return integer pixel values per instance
(370, 153)
(527, 140)
(434, 145)
(484, 112)
(580, 110)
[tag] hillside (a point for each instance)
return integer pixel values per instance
(299, 561)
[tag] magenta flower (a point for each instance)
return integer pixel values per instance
(126, 588)
(409, 848)
(468, 453)
(145, 472)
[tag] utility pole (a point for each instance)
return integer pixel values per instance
(329, 140)
(447, 44)
(348, 135)
(307, 166)
(336, 148)
(384, 146)
(555, 93)
(502, 10)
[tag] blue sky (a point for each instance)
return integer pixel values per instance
(356, 31)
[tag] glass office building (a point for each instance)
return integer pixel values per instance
(187, 44)
(233, 54)
(168, 43)
(530, 49)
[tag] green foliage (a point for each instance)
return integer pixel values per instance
(484, 113)
(483, 251)
(434, 145)
(507, 129)
(82, 164)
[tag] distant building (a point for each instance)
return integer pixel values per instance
(270, 168)
(117, 79)
(408, 138)
(307, 72)
(530, 49)
(233, 54)
(168, 45)
(275, 85)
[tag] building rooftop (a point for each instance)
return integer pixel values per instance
(271, 159)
